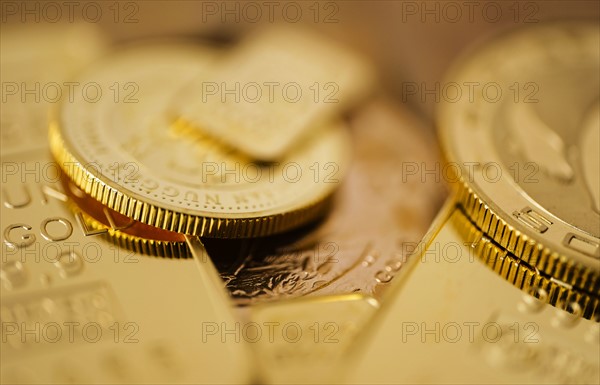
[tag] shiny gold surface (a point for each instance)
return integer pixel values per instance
(449, 319)
(548, 218)
(104, 276)
(146, 175)
(126, 232)
(526, 277)
(273, 89)
(354, 249)
(24, 122)
(361, 245)
(76, 308)
(318, 334)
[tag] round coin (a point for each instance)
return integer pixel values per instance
(118, 142)
(522, 148)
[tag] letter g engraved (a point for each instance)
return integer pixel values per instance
(26, 239)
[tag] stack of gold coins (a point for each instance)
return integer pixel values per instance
(504, 288)
(527, 162)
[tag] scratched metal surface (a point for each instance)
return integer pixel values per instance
(383, 209)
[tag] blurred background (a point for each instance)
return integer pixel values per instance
(409, 41)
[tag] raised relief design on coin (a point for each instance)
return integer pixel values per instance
(377, 218)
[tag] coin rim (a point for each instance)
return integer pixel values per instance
(522, 276)
(171, 220)
(568, 265)
(149, 247)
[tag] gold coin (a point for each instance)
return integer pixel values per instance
(527, 175)
(96, 218)
(127, 151)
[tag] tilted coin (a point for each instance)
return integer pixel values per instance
(131, 156)
(526, 157)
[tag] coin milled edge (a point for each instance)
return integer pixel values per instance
(170, 220)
